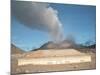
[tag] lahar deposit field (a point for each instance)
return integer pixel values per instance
(52, 60)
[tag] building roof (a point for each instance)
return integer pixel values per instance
(53, 53)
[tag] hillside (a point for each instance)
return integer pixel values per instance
(62, 45)
(16, 50)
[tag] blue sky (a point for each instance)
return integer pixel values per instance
(77, 20)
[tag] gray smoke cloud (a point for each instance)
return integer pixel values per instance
(38, 16)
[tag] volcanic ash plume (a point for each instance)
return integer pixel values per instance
(39, 16)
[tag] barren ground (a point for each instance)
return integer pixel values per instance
(15, 69)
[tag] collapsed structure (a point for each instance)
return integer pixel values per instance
(48, 57)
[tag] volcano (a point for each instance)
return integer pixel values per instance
(65, 44)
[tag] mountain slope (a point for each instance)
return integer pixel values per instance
(16, 50)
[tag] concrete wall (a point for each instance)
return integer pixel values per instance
(54, 60)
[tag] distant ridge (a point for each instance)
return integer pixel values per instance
(16, 50)
(65, 45)
(62, 45)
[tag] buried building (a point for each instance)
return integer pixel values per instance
(49, 57)
(53, 60)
